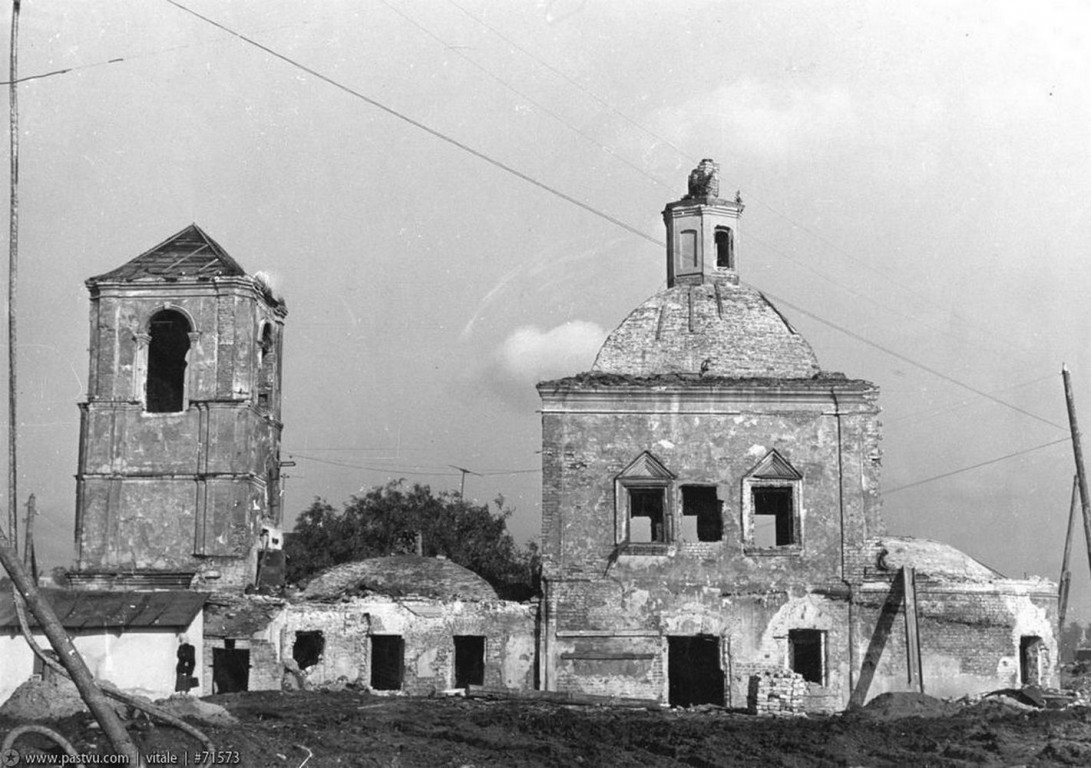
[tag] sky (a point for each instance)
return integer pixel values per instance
(915, 177)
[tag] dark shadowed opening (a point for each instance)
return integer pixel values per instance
(167, 351)
(230, 670)
(693, 666)
(308, 648)
(773, 525)
(646, 519)
(725, 248)
(806, 654)
(701, 518)
(387, 662)
(1030, 666)
(469, 660)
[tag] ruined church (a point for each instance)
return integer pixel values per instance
(711, 516)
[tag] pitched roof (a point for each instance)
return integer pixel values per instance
(98, 610)
(190, 254)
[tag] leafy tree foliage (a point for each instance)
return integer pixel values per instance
(387, 520)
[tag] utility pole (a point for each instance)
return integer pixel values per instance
(29, 560)
(462, 482)
(13, 270)
(1066, 575)
(1077, 452)
(24, 587)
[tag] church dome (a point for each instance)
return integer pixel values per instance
(717, 329)
(400, 576)
(705, 323)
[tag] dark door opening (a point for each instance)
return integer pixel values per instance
(693, 666)
(807, 654)
(469, 660)
(387, 662)
(230, 670)
(1030, 665)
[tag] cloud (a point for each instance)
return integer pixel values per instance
(770, 119)
(529, 355)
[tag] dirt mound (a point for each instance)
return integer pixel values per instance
(37, 699)
(195, 709)
(891, 706)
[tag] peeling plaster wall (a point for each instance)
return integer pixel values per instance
(185, 491)
(969, 635)
(427, 628)
(608, 613)
(110, 654)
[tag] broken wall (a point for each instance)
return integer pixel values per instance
(970, 636)
(427, 628)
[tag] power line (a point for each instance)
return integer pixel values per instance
(421, 126)
(417, 469)
(523, 95)
(584, 206)
(922, 366)
(974, 466)
(586, 91)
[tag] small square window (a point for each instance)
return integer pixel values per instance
(774, 513)
(647, 518)
(701, 517)
(807, 654)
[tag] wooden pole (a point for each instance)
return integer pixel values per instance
(1066, 575)
(1077, 452)
(68, 656)
(28, 542)
(912, 631)
(13, 268)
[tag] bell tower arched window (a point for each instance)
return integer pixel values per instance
(167, 350)
(267, 362)
(725, 248)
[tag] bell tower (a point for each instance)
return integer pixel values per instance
(702, 230)
(179, 461)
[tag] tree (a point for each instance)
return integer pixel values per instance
(387, 521)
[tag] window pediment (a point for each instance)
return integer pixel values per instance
(774, 467)
(646, 467)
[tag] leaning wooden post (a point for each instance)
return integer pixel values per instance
(68, 656)
(1077, 451)
(1066, 575)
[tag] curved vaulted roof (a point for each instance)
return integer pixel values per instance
(717, 329)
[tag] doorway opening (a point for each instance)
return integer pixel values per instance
(469, 660)
(387, 662)
(693, 667)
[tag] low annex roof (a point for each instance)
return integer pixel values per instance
(190, 254)
(399, 576)
(933, 559)
(119, 610)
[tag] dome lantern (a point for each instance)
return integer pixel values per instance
(702, 231)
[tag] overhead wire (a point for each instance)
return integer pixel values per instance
(979, 465)
(523, 95)
(589, 209)
(421, 126)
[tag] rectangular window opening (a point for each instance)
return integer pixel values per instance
(469, 660)
(774, 524)
(807, 654)
(647, 521)
(387, 662)
(701, 517)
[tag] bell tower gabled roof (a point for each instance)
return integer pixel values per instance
(189, 255)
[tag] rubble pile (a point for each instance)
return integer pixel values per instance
(776, 692)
